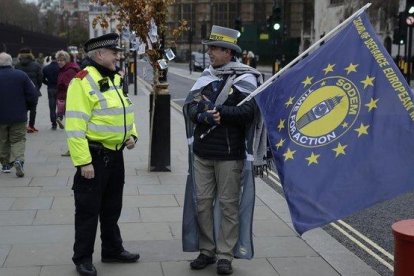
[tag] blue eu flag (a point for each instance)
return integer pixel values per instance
(341, 127)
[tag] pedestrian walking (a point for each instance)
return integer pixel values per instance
(99, 125)
(251, 59)
(221, 133)
(33, 69)
(17, 94)
(67, 71)
(50, 77)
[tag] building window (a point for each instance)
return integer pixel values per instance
(224, 14)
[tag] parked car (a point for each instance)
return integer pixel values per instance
(197, 61)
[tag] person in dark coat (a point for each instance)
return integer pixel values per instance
(220, 157)
(50, 76)
(33, 69)
(17, 95)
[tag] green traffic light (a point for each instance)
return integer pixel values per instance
(411, 10)
(276, 26)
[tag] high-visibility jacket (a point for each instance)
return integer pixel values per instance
(97, 111)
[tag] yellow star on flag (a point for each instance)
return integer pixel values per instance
(280, 144)
(289, 154)
(340, 149)
(351, 68)
(344, 125)
(363, 129)
(323, 83)
(312, 159)
(289, 102)
(307, 81)
(329, 68)
(372, 104)
(281, 125)
(368, 81)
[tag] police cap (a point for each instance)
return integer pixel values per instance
(108, 41)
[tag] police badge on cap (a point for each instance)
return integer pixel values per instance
(108, 41)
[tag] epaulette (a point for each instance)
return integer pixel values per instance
(81, 74)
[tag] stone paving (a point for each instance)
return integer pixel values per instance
(37, 213)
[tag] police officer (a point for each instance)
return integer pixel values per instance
(99, 125)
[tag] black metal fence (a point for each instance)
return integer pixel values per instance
(13, 38)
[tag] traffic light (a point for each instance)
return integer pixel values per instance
(400, 33)
(277, 18)
(269, 22)
(399, 37)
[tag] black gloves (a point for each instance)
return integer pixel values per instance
(204, 105)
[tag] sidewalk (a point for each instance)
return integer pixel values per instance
(36, 216)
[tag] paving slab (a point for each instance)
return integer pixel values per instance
(302, 266)
(39, 254)
(149, 201)
(56, 192)
(161, 189)
(142, 179)
(11, 180)
(54, 217)
(272, 228)
(145, 231)
(56, 181)
(20, 271)
(160, 250)
(64, 202)
(130, 190)
(36, 234)
(34, 203)
(161, 214)
(174, 179)
(282, 247)
(17, 217)
(4, 252)
(19, 191)
(6, 203)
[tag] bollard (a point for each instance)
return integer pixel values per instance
(404, 247)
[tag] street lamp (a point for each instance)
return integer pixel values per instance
(276, 26)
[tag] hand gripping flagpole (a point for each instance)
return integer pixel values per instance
(315, 45)
(290, 64)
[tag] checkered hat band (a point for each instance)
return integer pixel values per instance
(102, 44)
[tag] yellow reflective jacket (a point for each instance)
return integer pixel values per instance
(98, 111)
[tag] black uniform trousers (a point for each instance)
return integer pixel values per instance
(99, 197)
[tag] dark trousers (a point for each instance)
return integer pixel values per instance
(99, 198)
(32, 115)
(51, 94)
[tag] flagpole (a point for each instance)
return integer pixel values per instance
(316, 44)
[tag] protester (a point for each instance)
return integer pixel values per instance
(28, 65)
(221, 137)
(17, 94)
(50, 76)
(99, 124)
